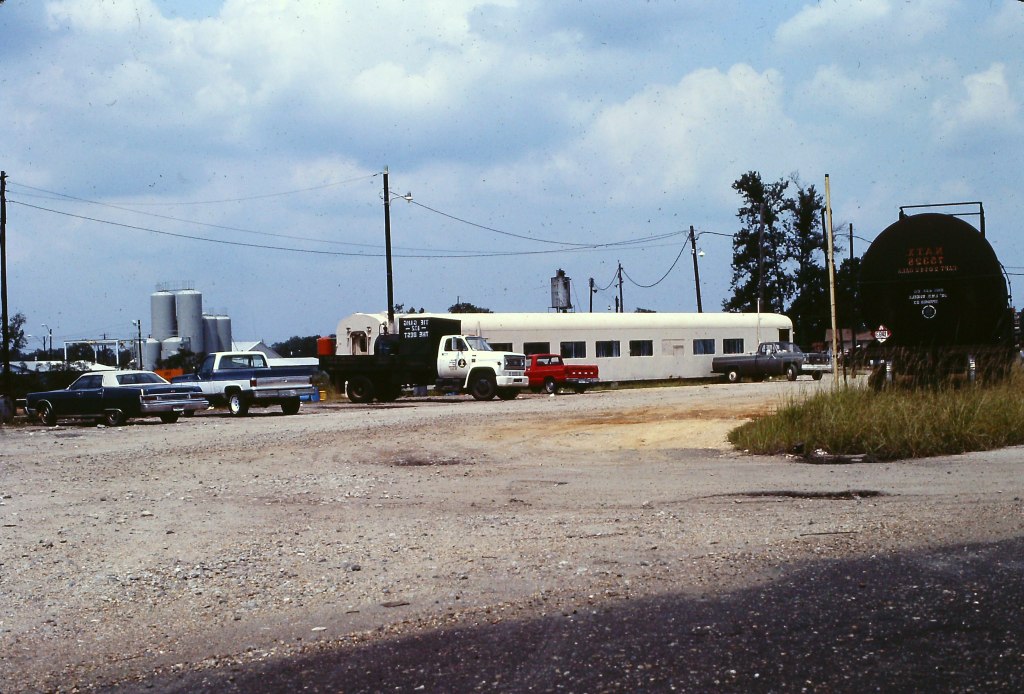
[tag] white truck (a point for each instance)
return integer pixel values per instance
(241, 380)
(427, 352)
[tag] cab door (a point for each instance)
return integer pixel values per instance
(453, 360)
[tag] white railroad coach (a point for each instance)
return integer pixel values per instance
(626, 346)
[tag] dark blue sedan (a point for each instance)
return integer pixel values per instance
(114, 397)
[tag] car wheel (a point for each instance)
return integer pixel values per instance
(237, 404)
(733, 376)
(46, 415)
(550, 387)
(169, 417)
(291, 406)
(792, 372)
(580, 390)
(483, 387)
(816, 375)
(114, 418)
(360, 389)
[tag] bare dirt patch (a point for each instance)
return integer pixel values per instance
(223, 542)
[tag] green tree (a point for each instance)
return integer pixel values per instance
(296, 346)
(466, 307)
(809, 308)
(16, 339)
(759, 249)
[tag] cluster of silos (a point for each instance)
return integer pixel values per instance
(179, 323)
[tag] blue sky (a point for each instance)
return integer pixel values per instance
(238, 146)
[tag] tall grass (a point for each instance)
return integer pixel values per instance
(892, 424)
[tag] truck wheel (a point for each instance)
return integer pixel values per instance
(483, 387)
(114, 418)
(792, 372)
(237, 404)
(550, 387)
(291, 406)
(168, 417)
(508, 393)
(360, 389)
(46, 415)
(733, 376)
(817, 375)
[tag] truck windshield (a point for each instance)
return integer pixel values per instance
(478, 343)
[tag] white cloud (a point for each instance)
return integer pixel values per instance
(985, 102)
(863, 22)
(698, 134)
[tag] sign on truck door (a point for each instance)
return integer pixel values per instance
(452, 361)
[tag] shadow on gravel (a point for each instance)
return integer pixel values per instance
(943, 620)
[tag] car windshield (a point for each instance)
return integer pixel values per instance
(138, 379)
(478, 343)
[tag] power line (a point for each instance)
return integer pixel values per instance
(445, 255)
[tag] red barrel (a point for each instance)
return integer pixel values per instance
(326, 346)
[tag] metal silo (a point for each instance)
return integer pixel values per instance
(165, 324)
(211, 340)
(170, 347)
(224, 333)
(188, 305)
(150, 354)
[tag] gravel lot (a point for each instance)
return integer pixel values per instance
(445, 544)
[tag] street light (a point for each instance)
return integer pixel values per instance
(50, 331)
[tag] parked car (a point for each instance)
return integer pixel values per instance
(548, 372)
(772, 359)
(114, 397)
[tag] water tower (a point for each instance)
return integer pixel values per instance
(561, 292)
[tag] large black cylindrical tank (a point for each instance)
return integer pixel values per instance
(934, 281)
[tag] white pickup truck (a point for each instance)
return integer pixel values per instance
(242, 380)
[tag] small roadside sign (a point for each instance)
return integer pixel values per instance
(883, 333)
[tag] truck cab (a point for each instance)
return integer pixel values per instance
(468, 362)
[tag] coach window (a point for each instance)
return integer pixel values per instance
(574, 350)
(703, 346)
(606, 348)
(641, 348)
(536, 348)
(732, 345)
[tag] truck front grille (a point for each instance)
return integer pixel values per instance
(515, 362)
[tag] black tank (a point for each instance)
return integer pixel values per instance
(934, 281)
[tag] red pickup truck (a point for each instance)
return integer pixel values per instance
(548, 372)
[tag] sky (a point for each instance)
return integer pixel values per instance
(239, 147)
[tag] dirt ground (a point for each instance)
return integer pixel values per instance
(153, 551)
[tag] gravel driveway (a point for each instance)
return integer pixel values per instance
(603, 542)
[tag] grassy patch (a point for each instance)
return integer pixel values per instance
(892, 424)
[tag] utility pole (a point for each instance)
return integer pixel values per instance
(622, 306)
(592, 292)
(6, 406)
(696, 270)
(832, 282)
(387, 252)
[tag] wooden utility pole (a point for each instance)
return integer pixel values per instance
(622, 306)
(832, 282)
(387, 252)
(3, 288)
(696, 270)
